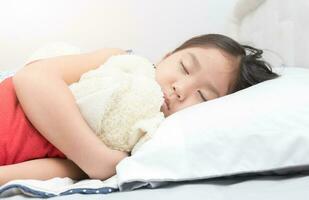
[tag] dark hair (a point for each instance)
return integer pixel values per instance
(252, 68)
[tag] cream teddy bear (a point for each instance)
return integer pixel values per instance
(121, 101)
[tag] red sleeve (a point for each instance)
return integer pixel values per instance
(19, 140)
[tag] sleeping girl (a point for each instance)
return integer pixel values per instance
(72, 116)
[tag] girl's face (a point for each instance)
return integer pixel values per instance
(195, 75)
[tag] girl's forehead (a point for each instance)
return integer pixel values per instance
(210, 57)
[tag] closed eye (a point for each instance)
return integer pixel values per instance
(204, 99)
(184, 68)
(187, 72)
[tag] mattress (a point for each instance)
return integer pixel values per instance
(240, 188)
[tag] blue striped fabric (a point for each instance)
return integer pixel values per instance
(14, 189)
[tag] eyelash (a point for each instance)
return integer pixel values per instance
(186, 71)
(183, 67)
(204, 99)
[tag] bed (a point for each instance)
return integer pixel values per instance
(263, 158)
(255, 188)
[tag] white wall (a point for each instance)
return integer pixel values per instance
(281, 27)
(150, 27)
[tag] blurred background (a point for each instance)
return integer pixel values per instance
(152, 28)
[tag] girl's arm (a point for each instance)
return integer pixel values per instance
(42, 89)
(41, 169)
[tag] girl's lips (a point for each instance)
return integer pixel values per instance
(166, 101)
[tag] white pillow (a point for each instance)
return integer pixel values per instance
(264, 127)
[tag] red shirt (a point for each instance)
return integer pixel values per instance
(19, 140)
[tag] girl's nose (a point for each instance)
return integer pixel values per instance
(178, 93)
(183, 89)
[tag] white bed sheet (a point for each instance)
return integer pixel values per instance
(240, 188)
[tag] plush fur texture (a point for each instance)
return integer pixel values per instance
(121, 101)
